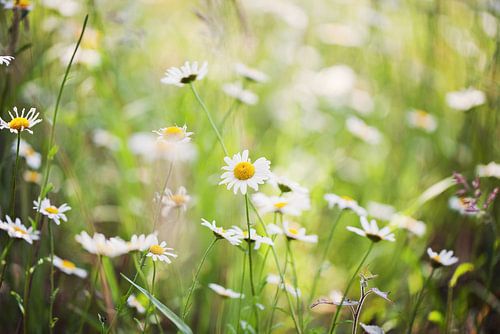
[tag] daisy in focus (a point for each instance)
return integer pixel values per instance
(221, 233)
(344, 202)
(292, 204)
(226, 293)
(20, 122)
(69, 267)
(51, 211)
(5, 60)
(250, 74)
(442, 259)
(186, 74)
(292, 231)
(15, 229)
(241, 173)
(175, 134)
(160, 252)
(421, 120)
(99, 245)
(179, 200)
(371, 231)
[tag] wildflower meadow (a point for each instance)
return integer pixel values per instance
(249, 166)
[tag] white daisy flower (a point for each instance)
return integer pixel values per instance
(174, 134)
(32, 176)
(360, 129)
(20, 122)
(285, 185)
(371, 329)
(380, 211)
(292, 231)
(490, 170)
(179, 200)
(344, 202)
(51, 211)
(160, 251)
(226, 293)
(276, 280)
(292, 204)
(443, 258)
(33, 158)
(69, 267)
(134, 303)
(151, 149)
(462, 205)
(242, 173)
(414, 226)
(221, 233)
(186, 74)
(15, 229)
(141, 242)
(236, 91)
(421, 120)
(465, 99)
(23, 5)
(250, 74)
(371, 231)
(99, 245)
(5, 60)
(255, 238)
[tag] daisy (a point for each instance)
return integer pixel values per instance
(344, 202)
(444, 258)
(363, 131)
(250, 74)
(160, 251)
(69, 267)
(141, 242)
(371, 231)
(21, 122)
(490, 170)
(24, 5)
(371, 329)
(465, 99)
(52, 212)
(226, 293)
(5, 60)
(32, 176)
(17, 230)
(292, 232)
(152, 149)
(221, 233)
(276, 280)
(236, 91)
(99, 245)
(292, 204)
(33, 158)
(286, 185)
(463, 205)
(414, 226)
(175, 134)
(253, 237)
(241, 173)
(133, 302)
(185, 74)
(421, 120)
(179, 200)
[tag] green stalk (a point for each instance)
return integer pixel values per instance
(449, 310)
(419, 301)
(295, 283)
(52, 296)
(241, 291)
(195, 279)
(276, 296)
(152, 291)
(2, 257)
(346, 291)
(250, 267)
(12, 206)
(92, 290)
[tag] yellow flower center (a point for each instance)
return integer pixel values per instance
(421, 118)
(178, 199)
(31, 176)
(347, 198)
(19, 230)
(244, 171)
(280, 205)
(293, 231)
(68, 264)
(156, 249)
(174, 131)
(52, 209)
(19, 123)
(23, 3)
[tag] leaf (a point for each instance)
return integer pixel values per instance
(163, 309)
(462, 269)
(111, 278)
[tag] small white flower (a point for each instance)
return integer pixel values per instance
(276, 280)
(285, 185)
(160, 251)
(490, 170)
(252, 238)
(5, 60)
(32, 176)
(99, 245)
(150, 148)
(250, 73)
(465, 99)
(179, 200)
(186, 74)
(134, 303)
(380, 211)
(421, 120)
(372, 329)
(462, 205)
(17, 230)
(51, 211)
(236, 91)
(414, 226)
(221, 233)
(69, 267)
(344, 202)
(23, 5)
(289, 204)
(226, 293)
(20, 122)
(371, 231)
(33, 158)
(360, 129)
(174, 134)
(141, 242)
(242, 173)
(444, 258)
(292, 232)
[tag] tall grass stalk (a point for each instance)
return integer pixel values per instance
(419, 301)
(250, 265)
(91, 294)
(295, 283)
(12, 205)
(52, 293)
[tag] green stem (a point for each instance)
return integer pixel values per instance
(152, 291)
(2, 257)
(295, 283)
(212, 123)
(92, 290)
(344, 295)
(158, 212)
(449, 310)
(12, 206)
(52, 296)
(195, 279)
(250, 267)
(241, 291)
(419, 301)
(276, 296)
